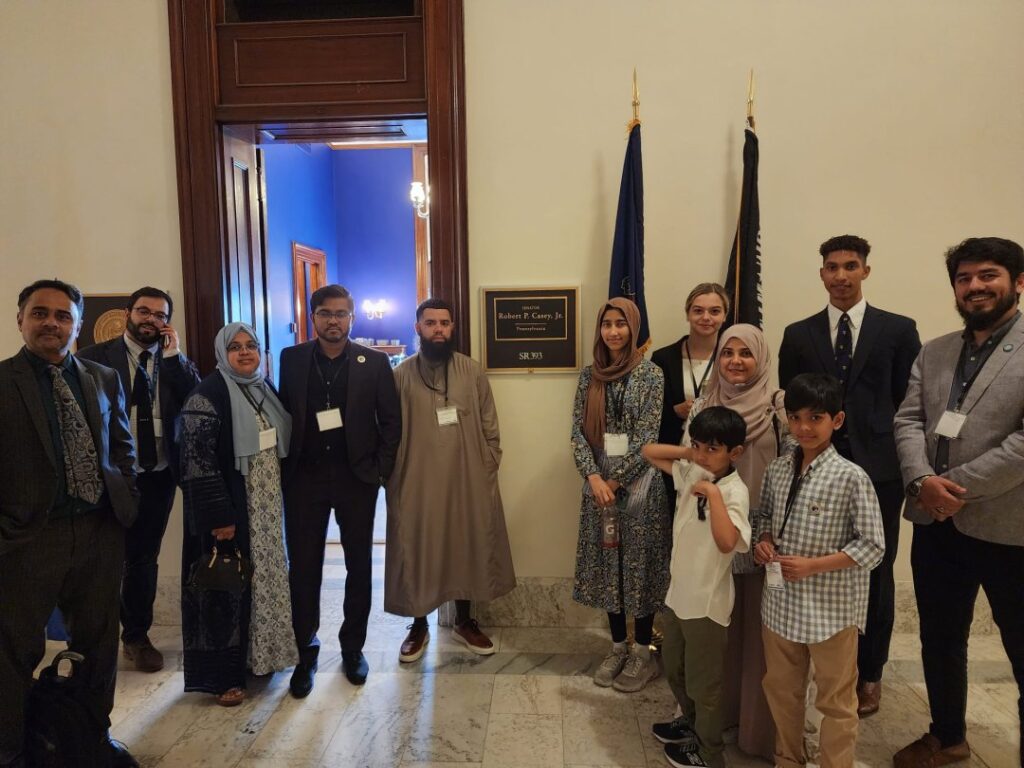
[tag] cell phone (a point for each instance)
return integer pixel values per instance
(165, 340)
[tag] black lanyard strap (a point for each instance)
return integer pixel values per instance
(616, 404)
(707, 369)
(794, 488)
(328, 383)
(258, 407)
(964, 351)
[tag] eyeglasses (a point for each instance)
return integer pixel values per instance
(323, 314)
(249, 346)
(145, 313)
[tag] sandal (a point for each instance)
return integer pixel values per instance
(232, 697)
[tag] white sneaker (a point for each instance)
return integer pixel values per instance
(611, 666)
(639, 669)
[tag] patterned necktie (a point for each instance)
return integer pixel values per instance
(81, 463)
(142, 402)
(844, 348)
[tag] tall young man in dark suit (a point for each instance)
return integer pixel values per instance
(871, 352)
(156, 378)
(67, 493)
(346, 425)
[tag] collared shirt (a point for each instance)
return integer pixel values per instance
(327, 388)
(856, 314)
(153, 369)
(63, 504)
(972, 360)
(834, 510)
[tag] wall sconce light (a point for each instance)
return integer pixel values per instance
(420, 198)
(375, 310)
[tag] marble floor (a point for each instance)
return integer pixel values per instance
(530, 704)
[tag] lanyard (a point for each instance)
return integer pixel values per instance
(702, 501)
(258, 407)
(328, 383)
(618, 403)
(964, 350)
(794, 488)
(707, 368)
(429, 386)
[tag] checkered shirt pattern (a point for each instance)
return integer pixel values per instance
(835, 509)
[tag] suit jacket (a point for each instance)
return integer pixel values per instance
(886, 347)
(988, 457)
(28, 466)
(670, 360)
(178, 377)
(372, 418)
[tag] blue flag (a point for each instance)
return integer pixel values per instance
(743, 280)
(627, 270)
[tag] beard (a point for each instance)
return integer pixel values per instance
(144, 333)
(982, 320)
(437, 351)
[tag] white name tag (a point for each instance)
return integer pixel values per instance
(158, 427)
(268, 438)
(447, 415)
(773, 575)
(950, 424)
(616, 444)
(329, 419)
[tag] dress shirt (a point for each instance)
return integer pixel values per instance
(328, 383)
(153, 369)
(856, 314)
(835, 510)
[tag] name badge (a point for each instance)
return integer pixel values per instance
(158, 427)
(447, 415)
(950, 424)
(329, 419)
(616, 444)
(268, 438)
(773, 576)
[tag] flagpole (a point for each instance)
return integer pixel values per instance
(739, 216)
(636, 105)
(750, 100)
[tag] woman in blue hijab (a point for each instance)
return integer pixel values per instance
(234, 432)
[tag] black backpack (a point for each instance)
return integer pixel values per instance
(63, 727)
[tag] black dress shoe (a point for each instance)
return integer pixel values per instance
(302, 679)
(355, 666)
(120, 757)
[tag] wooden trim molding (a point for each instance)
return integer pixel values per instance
(315, 260)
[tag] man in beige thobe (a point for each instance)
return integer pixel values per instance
(446, 535)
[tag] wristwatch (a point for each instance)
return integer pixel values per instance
(914, 488)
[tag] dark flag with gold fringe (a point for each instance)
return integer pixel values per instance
(743, 281)
(627, 269)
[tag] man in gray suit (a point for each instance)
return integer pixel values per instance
(67, 493)
(960, 438)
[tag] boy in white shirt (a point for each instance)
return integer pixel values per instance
(710, 526)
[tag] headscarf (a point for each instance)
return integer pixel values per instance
(245, 428)
(754, 401)
(609, 366)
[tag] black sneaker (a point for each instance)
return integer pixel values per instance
(679, 731)
(681, 757)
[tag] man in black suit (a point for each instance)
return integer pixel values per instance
(871, 352)
(346, 426)
(67, 493)
(156, 378)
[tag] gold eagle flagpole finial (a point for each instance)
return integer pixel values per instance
(750, 100)
(636, 104)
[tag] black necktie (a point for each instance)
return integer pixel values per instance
(844, 348)
(142, 402)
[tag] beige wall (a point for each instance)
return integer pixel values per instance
(903, 121)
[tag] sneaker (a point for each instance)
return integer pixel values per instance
(468, 633)
(678, 731)
(681, 757)
(415, 643)
(611, 667)
(640, 668)
(146, 657)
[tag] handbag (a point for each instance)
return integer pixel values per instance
(221, 572)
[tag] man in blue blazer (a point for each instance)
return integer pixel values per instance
(156, 378)
(67, 493)
(871, 352)
(346, 426)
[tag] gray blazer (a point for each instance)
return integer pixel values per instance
(28, 471)
(988, 457)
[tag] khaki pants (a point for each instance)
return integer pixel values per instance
(785, 685)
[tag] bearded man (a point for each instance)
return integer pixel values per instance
(446, 536)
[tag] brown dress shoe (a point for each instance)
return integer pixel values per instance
(415, 643)
(868, 697)
(146, 657)
(469, 634)
(927, 752)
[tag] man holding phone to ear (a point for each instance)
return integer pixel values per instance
(156, 378)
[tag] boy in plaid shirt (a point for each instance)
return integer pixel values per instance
(819, 535)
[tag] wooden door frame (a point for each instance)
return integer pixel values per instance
(301, 256)
(197, 138)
